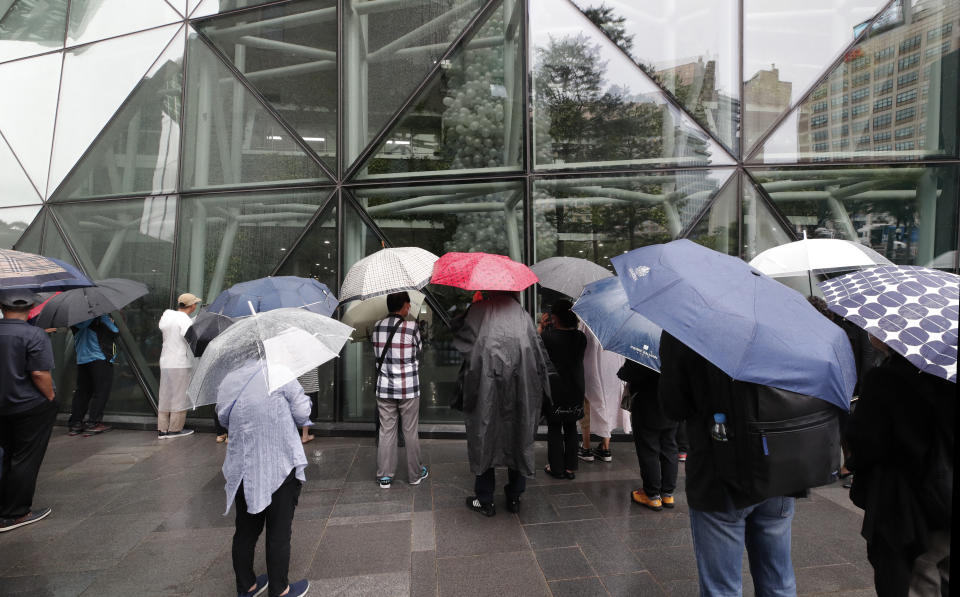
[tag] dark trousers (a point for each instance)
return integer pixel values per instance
(278, 517)
(657, 455)
(94, 381)
(221, 430)
(486, 482)
(562, 445)
(682, 444)
(23, 437)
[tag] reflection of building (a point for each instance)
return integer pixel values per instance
(766, 97)
(698, 79)
(884, 98)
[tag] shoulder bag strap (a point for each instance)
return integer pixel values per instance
(386, 347)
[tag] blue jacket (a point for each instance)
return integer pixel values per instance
(88, 344)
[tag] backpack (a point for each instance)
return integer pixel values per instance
(780, 442)
(106, 338)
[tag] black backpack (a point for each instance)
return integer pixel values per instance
(780, 442)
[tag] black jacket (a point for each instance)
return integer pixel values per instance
(566, 349)
(644, 403)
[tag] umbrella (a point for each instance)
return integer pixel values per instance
(388, 271)
(28, 271)
(825, 255)
(74, 279)
(604, 309)
(286, 343)
(38, 308)
(277, 292)
(747, 324)
(205, 328)
(482, 271)
(363, 315)
(568, 275)
(73, 306)
(912, 309)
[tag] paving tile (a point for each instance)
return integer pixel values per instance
(563, 563)
(464, 532)
(671, 563)
(658, 538)
(371, 509)
(369, 518)
(364, 465)
(550, 535)
(204, 510)
(424, 532)
(578, 513)
(64, 584)
(580, 587)
(423, 574)
(491, 575)
(358, 549)
(444, 451)
(636, 583)
(609, 557)
(829, 579)
(327, 467)
(569, 500)
(396, 584)
(316, 505)
(682, 588)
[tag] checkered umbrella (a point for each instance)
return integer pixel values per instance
(387, 271)
(482, 271)
(28, 271)
(912, 309)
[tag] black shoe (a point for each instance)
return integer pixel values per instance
(603, 455)
(513, 505)
(486, 509)
(75, 431)
(569, 475)
(547, 470)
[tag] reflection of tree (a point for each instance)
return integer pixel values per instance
(613, 26)
(10, 232)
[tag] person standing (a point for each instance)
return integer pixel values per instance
(176, 366)
(27, 409)
(654, 436)
(263, 470)
(565, 344)
(503, 380)
(397, 347)
(723, 521)
(602, 412)
(93, 340)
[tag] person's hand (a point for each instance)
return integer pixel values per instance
(50, 330)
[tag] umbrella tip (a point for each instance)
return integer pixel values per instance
(804, 234)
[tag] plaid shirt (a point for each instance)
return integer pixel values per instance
(400, 377)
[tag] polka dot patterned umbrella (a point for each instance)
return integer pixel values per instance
(912, 309)
(482, 271)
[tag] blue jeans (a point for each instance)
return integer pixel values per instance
(719, 539)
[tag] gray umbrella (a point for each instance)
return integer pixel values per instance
(568, 275)
(73, 306)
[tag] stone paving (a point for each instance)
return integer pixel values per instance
(136, 516)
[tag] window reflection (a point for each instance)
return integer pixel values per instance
(91, 20)
(30, 27)
(14, 221)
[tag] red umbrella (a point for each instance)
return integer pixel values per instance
(482, 271)
(36, 310)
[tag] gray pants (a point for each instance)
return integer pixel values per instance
(407, 411)
(932, 569)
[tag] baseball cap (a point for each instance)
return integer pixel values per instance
(18, 299)
(186, 299)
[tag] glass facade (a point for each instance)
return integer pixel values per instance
(193, 144)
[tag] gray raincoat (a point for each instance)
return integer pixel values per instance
(504, 380)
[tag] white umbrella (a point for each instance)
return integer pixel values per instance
(387, 271)
(821, 255)
(285, 342)
(363, 315)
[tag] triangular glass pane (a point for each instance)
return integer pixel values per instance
(316, 254)
(288, 53)
(230, 139)
(593, 107)
(28, 105)
(204, 8)
(719, 227)
(53, 243)
(469, 116)
(97, 78)
(138, 150)
(893, 98)
(761, 229)
(697, 68)
(28, 28)
(92, 20)
(15, 225)
(786, 47)
(387, 52)
(16, 187)
(230, 238)
(597, 218)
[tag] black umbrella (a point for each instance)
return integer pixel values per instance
(73, 306)
(205, 328)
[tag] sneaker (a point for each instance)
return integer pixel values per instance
(262, 582)
(96, 429)
(585, 454)
(668, 501)
(298, 589)
(513, 505)
(181, 433)
(604, 455)
(424, 473)
(682, 456)
(75, 431)
(385, 482)
(161, 434)
(486, 509)
(8, 524)
(640, 497)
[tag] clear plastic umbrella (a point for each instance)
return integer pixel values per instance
(286, 342)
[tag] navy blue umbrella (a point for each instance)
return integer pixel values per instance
(26, 271)
(603, 308)
(747, 324)
(266, 294)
